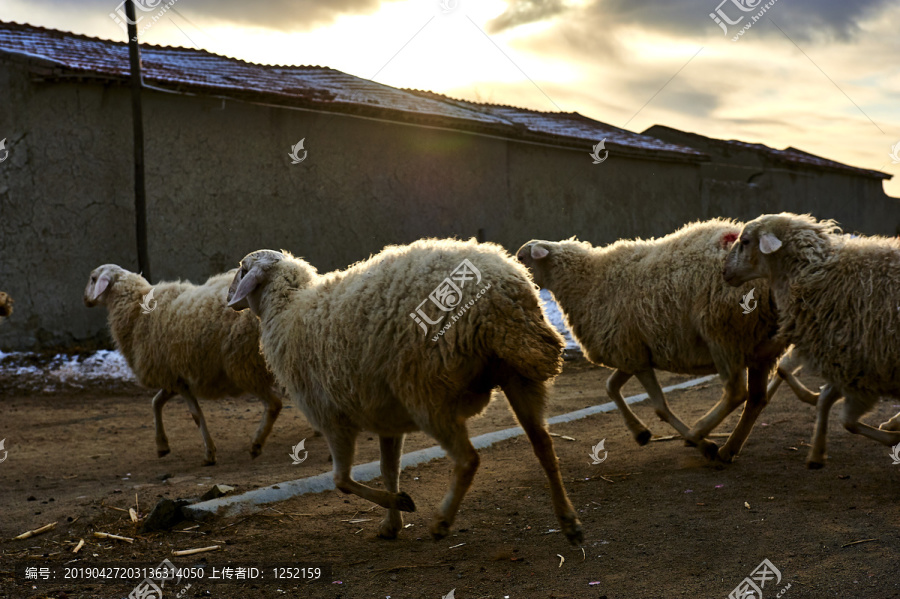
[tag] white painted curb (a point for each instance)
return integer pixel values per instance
(248, 502)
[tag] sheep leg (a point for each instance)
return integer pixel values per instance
(734, 394)
(162, 442)
(661, 407)
(391, 450)
(891, 425)
(342, 443)
(194, 406)
(816, 457)
(855, 406)
(799, 389)
(757, 400)
(272, 409)
(638, 429)
(454, 439)
(528, 399)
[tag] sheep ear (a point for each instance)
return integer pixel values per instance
(99, 287)
(539, 252)
(768, 243)
(241, 287)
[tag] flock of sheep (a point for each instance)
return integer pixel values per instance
(343, 345)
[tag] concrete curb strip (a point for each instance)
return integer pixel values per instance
(251, 500)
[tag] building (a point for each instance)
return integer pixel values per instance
(377, 166)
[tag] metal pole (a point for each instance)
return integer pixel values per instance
(140, 194)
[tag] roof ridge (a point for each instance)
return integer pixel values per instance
(12, 25)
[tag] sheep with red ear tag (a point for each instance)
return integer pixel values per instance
(640, 305)
(839, 301)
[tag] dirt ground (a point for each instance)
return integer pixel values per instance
(659, 520)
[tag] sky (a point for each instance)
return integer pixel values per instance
(819, 75)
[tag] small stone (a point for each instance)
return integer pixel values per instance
(166, 514)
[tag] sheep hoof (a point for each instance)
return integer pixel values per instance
(387, 531)
(573, 532)
(161, 453)
(404, 502)
(689, 443)
(255, 450)
(815, 464)
(440, 529)
(643, 437)
(710, 450)
(725, 456)
(209, 461)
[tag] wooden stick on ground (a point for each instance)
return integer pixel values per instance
(78, 546)
(858, 542)
(198, 550)
(106, 535)
(36, 531)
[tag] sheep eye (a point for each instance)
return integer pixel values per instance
(745, 241)
(94, 279)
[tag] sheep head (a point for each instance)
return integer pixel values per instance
(534, 255)
(6, 305)
(773, 244)
(100, 282)
(250, 278)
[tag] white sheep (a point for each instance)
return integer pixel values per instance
(184, 340)
(414, 338)
(6, 305)
(640, 305)
(838, 300)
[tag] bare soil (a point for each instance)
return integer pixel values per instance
(659, 520)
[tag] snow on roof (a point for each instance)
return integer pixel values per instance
(58, 54)
(788, 155)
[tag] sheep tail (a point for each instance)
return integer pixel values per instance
(529, 343)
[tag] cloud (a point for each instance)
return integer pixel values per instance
(803, 19)
(282, 15)
(520, 12)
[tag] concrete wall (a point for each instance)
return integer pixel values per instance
(743, 183)
(220, 184)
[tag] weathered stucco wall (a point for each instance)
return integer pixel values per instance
(220, 184)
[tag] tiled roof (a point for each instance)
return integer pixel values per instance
(788, 156)
(57, 54)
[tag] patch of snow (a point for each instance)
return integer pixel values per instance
(73, 370)
(555, 316)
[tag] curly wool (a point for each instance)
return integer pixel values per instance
(659, 303)
(190, 339)
(345, 345)
(839, 301)
(6, 306)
